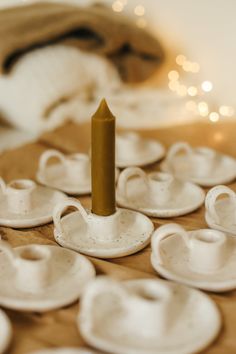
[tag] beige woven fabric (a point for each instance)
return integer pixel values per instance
(135, 52)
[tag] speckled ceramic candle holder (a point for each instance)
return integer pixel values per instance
(23, 203)
(146, 316)
(203, 258)
(157, 194)
(122, 233)
(202, 165)
(41, 278)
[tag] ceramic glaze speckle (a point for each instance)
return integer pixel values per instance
(202, 165)
(108, 318)
(177, 261)
(133, 150)
(165, 201)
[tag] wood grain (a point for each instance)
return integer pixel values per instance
(57, 328)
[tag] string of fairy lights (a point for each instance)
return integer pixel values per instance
(197, 97)
(198, 102)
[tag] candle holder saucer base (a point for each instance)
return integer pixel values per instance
(189, 198)
(134, 234)
(43, 201)
(54, 177)
(107, 323)
(224, 173)
(69, 273)
(153, 152)
(176, 264)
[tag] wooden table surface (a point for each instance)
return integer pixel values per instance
(32, 331)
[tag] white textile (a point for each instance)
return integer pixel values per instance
(50, 85)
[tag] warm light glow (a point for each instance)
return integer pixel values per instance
(187, 66)
(218, 137)
(117, 6)
(180, 59)
(182, 90)
(207, 86)
(173, 75)
(195, 67)
(192, 91)
(174, 85)
(139, 10)
(191, 105)
(141, 22)
(203, 109)
(214, 116)
(226, 111)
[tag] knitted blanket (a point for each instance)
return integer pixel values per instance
(135, 52)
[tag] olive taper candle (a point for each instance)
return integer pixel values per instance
(103, 161)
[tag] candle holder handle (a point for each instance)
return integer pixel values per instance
(103, 285)
(47, 155)
(175, 149)
(211, 198)
(162, 233)
(126, 175)
(61, 207)
(8, 250)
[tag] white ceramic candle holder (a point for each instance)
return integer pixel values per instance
(157, 194)
(146, 317)
(41, 278)
(220, 206)
(71, 174)
(19, 195)
(200, 165)
(202, 258)
(120, 234)
(133, 150)
(25, 204)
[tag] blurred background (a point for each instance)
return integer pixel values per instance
(194, 80)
